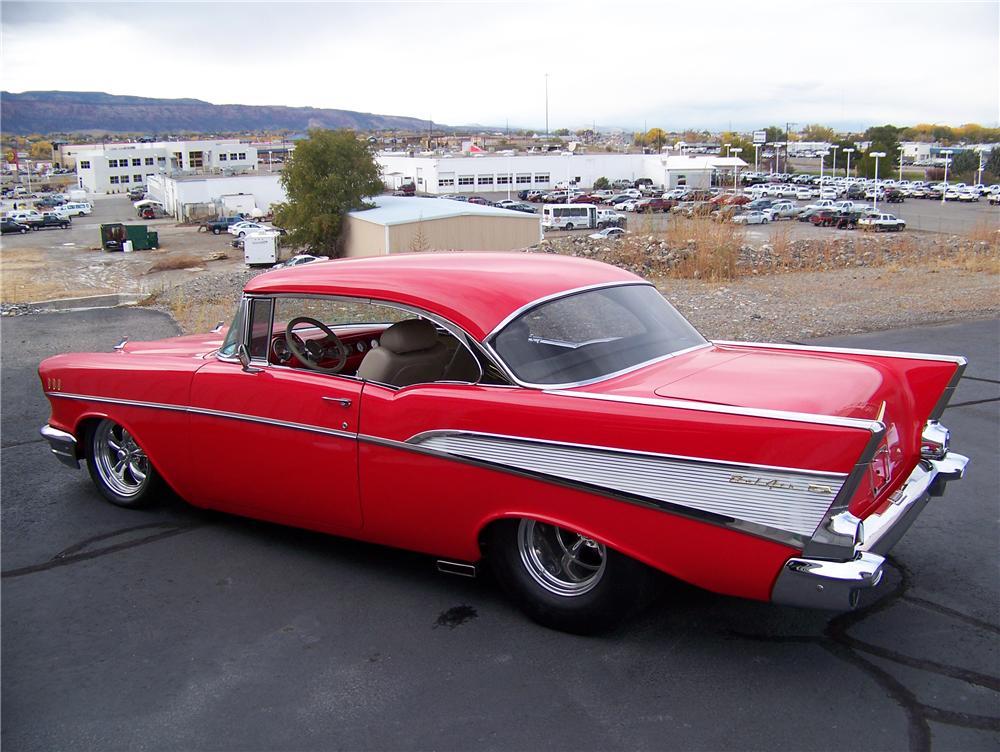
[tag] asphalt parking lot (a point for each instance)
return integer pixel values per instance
(174, 628)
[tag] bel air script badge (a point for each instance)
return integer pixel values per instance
(749, 480)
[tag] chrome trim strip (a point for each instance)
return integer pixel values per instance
(786, 500)
(425, 435)
(958, 359)
(783, 537)
(708, 407)
(211, 413)
(561, 294)
(949, 390)
(832, 538)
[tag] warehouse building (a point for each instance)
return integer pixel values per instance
(438, 175)
(400, 224)
(117, 168)
(193, 197)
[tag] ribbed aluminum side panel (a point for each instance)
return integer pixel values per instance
(702, 485)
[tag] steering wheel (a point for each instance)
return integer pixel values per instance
(310, 353)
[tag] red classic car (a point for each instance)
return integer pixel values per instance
(552, 416)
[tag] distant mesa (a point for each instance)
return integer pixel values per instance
(77, 111)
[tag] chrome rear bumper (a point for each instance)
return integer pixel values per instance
(835, 585)
(62, 444)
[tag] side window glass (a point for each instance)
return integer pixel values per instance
(260, 328)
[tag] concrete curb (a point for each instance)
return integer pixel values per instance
(91, 301)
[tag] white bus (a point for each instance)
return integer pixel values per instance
(569, 216)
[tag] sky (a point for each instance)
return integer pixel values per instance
(614, 63)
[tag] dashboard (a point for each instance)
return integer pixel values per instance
(357, 340)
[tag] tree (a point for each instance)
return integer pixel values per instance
(817, 132)
(963, 166)
(775, 133)
(41, 150)
(329, 174)
(655, 137)
(601, 184)
(561, 132)
(885, 139)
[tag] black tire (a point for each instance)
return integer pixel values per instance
(568, 226)
(23, 230)
(138, 484)
(216, 231)
(619, 587)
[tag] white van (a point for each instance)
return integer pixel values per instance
(23, 216)
(74, 209)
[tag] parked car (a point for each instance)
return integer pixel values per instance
(50, 222)
(239, 229)
(782, 210)
(608, 233)
(519, 207)
(8, 226)
(751, 218)
(220, 225)
(610, 218)
(479, 200)
(575, 461)
(878, 222)
(824, 217)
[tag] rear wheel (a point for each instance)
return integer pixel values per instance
(119, 467)
(216, 231)
(565, 580)
(568, 226)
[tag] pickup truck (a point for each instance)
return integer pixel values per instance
(221, 225)
(49, 222)
(782, 210)
(879, 222)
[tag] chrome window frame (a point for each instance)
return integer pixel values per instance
(496, 357)
(464, 339)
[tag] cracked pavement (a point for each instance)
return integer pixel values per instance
(175, 628)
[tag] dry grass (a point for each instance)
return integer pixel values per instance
(711, 248)
(986, 232)
(173, 262)
(193, 316)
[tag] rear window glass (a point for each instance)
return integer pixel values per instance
(593, 334)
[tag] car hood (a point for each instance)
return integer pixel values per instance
(189, 346)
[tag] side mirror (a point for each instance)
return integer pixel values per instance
(244, 356)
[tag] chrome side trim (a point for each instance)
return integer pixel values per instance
(791, 501)
(708, 407)
(758, 531)
(810, 583)
(836, 535)
(958, 359)
(561, 294)
(211, 413)
(62, 445)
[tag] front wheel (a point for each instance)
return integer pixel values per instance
(563, 579)
(119, 467)
(216, 231)
(568, 226)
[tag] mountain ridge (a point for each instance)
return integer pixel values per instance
(74, 111)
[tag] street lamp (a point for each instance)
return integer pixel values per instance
(979, 172)
(822, 157)
(756, 155)
(947, 153)
(847, 172)
(736, 167)
(727, 150)
(833, 170)
(876, 154)
(900, 147)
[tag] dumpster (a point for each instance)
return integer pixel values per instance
(113, 236)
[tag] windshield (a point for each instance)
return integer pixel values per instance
(593, 334)
(234, 334)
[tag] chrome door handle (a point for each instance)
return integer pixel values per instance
(343, 401)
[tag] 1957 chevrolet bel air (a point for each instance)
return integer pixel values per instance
(553, 416)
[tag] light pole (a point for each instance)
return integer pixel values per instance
(979, 172)
(847, 171)
(726, 146)
(947, 154)
(736, 167)
(833, 170)
(876, 154)
(756, 157)
(900, 163)
(822, 158)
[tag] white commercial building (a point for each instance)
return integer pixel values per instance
(116, 168)
(493, 173)
(199, 196)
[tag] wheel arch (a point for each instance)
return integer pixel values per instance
(88, 420)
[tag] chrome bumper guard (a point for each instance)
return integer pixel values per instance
(62, 444)
(835, 585)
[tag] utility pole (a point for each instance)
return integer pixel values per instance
(546, 104)
(787, 131)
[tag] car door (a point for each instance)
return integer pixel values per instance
(275, 442)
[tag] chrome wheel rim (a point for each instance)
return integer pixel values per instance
(561, 561)
(120, 461)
